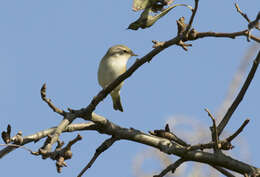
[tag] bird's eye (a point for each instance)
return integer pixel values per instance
(122, 52)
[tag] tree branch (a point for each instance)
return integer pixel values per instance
(229, 139)
(223, 171)
(104, 146)
(196, 35)
(246, 17)
(192, 16)
(42, 134)
(241, 13)
(171, 167)
(169, 147)
(48, 101)
(240, 95)
(214, 132)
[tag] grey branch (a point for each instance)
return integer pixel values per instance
(104, 146)
(162, 144)
(192, 16)
(42, 134)
(240, 95)
(48, 101)
(223, 171)
(171, 167)
(214, 132)
(250, 24)
(233, 35)
(230, 138)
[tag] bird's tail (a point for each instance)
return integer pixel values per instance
(116, 101)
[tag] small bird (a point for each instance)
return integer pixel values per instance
(112, 65)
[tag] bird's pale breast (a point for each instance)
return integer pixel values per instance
(110, 69)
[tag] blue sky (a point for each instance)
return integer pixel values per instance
(61, 43)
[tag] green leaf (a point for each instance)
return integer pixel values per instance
(146, 20)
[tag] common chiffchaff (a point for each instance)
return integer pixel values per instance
(112, 65)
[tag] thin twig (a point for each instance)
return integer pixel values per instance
(225, 35)
(224, 145)
(166, 133)
(171, 167)
(104, 146)
(68, 118)
(18, 146)
(240, 95)
(184, 45)
(42, 134)
(48, 101)
(247, 19)
(60, 128)
(192, 16)
(214, 132)
(157, 43)
(241, 13)
(72, 142)
(60, 155)
(6, 135)
(237, 80)
(255, 23)
(230, 138)
(223, 171)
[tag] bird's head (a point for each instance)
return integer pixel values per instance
(120, 50)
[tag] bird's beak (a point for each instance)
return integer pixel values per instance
(133, 54)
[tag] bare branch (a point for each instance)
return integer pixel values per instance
(223, 145)
(251, 24)
(223, 171)
(170, 147)
(72, 142)
(6, 135)
(166, 133)
(255, 23)
(60, 155)
(229, 139)
(60, 128)
(184, 45)
(255, 38)
(214, 131)
(240, 95)
(18, 138)
(237, 80)
(104, 146)
(17, 146)
(171, 167)
(157, 44)
(68, 118)
(181, 25)
(42, 134)
(48, 101)
(241, 13)
(196, 35)
(192, 16)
